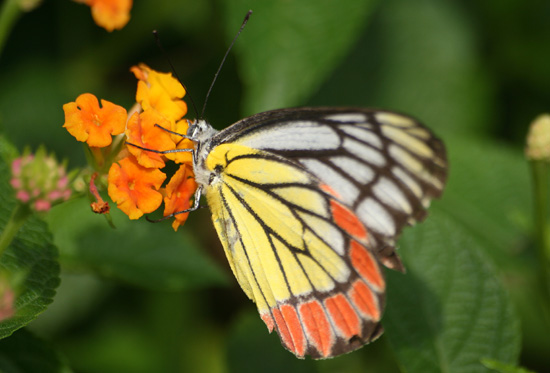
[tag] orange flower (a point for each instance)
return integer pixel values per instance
(181, 143)
(179, 191)
(135, 188)
(110, 14)
(89, 123)
(143, 132)
(160, 92)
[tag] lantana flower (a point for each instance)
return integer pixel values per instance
(134, 188)
(90, 123)
(110, 14)
(154, 135)
(160, 92)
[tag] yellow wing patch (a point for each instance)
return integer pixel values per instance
(263, 235)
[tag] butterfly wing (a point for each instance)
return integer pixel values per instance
(297, 252)
(307, 202)
(386, 167)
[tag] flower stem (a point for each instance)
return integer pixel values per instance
(9, 13)
(540, 170)
(18, 217)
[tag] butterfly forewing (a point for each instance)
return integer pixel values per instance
(307, 202)
(385, 166)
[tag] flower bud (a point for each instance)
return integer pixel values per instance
(39, 180)
(538, 139)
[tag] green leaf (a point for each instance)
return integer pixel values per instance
(30, 260)
(429, 66)
(488, 194)
(149, 255)
(504, 368)
(23, 352)
(282, 66)
(449, 311)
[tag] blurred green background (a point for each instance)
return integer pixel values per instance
(143, 298)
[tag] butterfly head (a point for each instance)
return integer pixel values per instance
(200, 130)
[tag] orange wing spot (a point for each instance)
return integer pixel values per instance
(364, 299)
(282, 329)
(348, 221)
(329, 190)
(317, 326)
(366, 265)
(287, 320)
(343, 315)
(266, 317)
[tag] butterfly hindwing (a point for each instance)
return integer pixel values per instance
(297, 251)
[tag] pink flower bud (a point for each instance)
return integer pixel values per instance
(39, 180)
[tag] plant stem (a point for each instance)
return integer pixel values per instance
(9, 13)
(18, 217)
(541, 186)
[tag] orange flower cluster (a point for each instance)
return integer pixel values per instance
(110, 14)
(135, 179)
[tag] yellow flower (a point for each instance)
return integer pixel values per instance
(160, 92)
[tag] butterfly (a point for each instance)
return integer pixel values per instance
(308, 204)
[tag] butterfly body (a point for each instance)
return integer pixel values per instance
(308, 203)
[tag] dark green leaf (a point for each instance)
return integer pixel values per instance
(288, 49)
(449, 311)
(23, 352)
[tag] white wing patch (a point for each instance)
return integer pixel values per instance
(391, 195)
(366, 153)
(347, 117)
(293, 135)
(359, 132)
(408, 181)
(347, 191)
(376, 217)
(357, 170)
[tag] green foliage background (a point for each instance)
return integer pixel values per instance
(142, 298)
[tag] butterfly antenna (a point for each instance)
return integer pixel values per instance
(159, 45)
(223, 61)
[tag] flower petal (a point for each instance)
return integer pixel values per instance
(181, 143)
(179, 191)
(141, 131)
(110, 14)
(160, 92)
